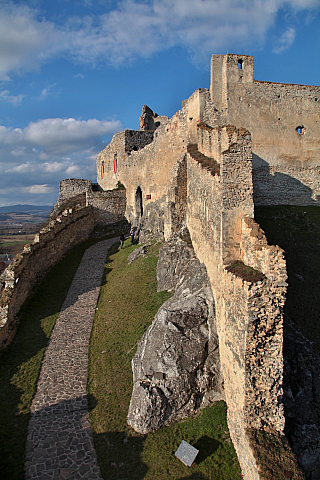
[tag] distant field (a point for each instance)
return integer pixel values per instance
(28, 220)
(13, 244)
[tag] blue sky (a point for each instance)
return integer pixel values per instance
(74, 72)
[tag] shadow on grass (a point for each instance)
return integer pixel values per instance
(206, 446)
(122, 457)
(194, 476)
(19, 368)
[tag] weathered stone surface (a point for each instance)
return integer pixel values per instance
(173, 260)
(138, 252)
(176, 369)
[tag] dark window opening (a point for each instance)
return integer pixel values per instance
(240, 64)
(138, 205)
(135, 149)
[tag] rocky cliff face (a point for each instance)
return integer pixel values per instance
(176, 369)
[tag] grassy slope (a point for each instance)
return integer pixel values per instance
(128, 302)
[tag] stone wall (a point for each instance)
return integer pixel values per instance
(72, 188)
(108, 206)
(146, 173)
(241, 143)
(117, 155)
(283, 120)
(69, 229)
(249, 313)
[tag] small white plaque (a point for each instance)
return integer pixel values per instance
(186, 453)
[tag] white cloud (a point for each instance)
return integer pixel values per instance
(285, 41)
(58, 135)
(138, 28)
(73, 170)
(25, 41)
(33, 160)
(14, 99)
(79, 75)
(49, 90)
(38, 189)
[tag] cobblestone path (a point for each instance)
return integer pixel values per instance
(60, 441)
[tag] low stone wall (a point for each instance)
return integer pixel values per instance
(69, 229)
(108, 206)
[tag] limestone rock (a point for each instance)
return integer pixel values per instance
(138, 252)
(174, 257)
(176, 369)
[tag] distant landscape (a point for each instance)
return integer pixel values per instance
(18, 225)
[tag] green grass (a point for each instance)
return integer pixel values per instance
(297, 231)
(20, 362)
(127, 304)
(9, 244)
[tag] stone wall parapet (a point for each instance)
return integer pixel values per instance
(52, 242)
(257, 253)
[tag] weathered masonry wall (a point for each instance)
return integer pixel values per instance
(249, 315)
(265, 329)
(284, 121)
(69, 229)
(108, 206)
(241, 143)
(117, 154)
(146, 173)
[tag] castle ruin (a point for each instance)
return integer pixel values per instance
(238, 144)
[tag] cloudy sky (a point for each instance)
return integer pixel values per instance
(74, 72)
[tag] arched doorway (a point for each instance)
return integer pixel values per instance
(138, 205)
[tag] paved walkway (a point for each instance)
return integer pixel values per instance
(60, 441)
